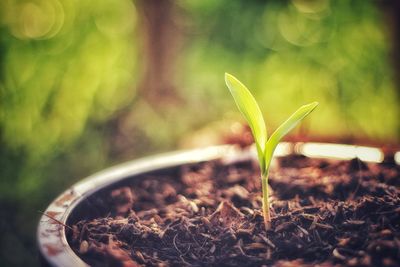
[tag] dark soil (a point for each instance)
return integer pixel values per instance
(324, 213)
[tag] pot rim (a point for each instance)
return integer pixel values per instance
(51, 237)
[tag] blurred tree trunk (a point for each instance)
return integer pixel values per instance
(160, 40)
(391, 11)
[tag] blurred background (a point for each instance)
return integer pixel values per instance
(88, 84)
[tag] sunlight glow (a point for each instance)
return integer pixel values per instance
(283, 149)
(397, 157)
(368, 154)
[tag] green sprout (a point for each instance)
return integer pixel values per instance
(265, 147)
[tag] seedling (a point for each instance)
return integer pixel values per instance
(265, 146)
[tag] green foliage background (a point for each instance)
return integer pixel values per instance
(290, 53)
(70, 70)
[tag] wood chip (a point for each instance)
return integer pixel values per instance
(324, 226)
(212, 249)
(336, 254)
(255, 246)
(84, 247)
(267, 241)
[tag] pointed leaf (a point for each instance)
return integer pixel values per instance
(252, 113)
(285, 128)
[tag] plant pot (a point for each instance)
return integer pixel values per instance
(51, 235)
(81, 201)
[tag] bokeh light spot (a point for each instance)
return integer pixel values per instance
(36, 19)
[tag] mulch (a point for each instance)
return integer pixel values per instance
(324, 213)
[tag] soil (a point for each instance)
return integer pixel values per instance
(324, 213)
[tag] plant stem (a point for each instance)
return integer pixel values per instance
(265, 201)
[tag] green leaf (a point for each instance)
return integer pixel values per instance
(285, 128)
(252, 113)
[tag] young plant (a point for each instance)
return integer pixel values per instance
(265, 146)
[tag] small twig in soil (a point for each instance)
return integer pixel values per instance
(54, 219)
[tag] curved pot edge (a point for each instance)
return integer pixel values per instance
(51, 238)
